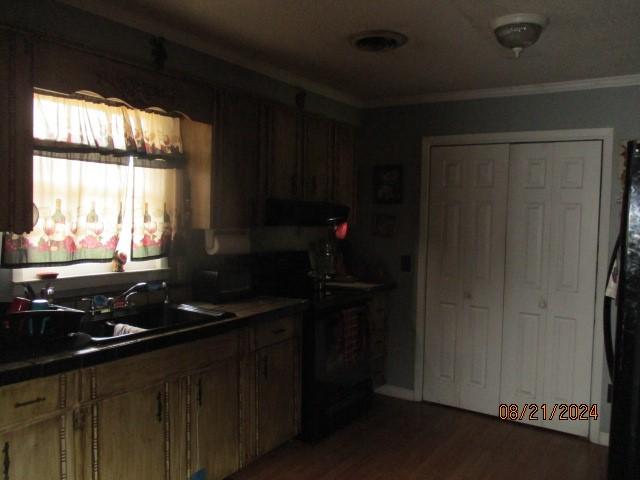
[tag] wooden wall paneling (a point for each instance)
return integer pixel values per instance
(197, 141)
(317, 153)
(16, 132)
(236, 160)
(343, 185)
(284, 179)
(66, 69)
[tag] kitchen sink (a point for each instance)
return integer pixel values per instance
(138, 321)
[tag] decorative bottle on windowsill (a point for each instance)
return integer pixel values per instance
(92, 242)
(150, 244)
(165, 239)
(56, 229)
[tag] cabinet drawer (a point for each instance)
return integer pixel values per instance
(274, 331)
(145, 369)
(25, 400)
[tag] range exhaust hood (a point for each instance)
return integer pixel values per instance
(303, 213)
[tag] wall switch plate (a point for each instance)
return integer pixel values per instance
(405, 263)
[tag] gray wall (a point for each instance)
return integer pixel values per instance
(393, 135)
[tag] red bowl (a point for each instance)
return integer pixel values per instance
(47, 275)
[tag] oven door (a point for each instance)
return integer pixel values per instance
(341, 350)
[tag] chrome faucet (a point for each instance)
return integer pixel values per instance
(145, 287)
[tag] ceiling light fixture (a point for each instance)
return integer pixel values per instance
(519, 31)
(378, 40)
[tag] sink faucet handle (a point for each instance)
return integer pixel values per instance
(92, 304)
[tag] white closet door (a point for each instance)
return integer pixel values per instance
(465, 274)
(550, 277)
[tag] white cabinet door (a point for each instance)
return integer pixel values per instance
(465, 274)
(552, 237)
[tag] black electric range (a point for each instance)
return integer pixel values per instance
(336, 377)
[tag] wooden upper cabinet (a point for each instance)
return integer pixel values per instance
(343, 186)
(236, 155)
(318, 154)
(197, 143)
(283, 173)
(16, 132)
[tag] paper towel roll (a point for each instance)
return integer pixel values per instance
(232, 242)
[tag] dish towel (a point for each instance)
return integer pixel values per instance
(124, 329)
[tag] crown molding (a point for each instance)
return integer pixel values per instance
(519, 90)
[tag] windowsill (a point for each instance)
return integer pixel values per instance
(68, 285)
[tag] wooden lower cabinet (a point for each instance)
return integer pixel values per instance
(276, 395)
(37, 451)
(215, 427)
(130, 437)
(218, 405)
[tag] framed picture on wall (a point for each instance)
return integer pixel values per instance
(387, 184)
(383, 225)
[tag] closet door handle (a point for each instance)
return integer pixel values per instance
(199, 392)
(466, 295)
(542, 303)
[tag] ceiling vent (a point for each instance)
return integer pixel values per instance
(378, 40)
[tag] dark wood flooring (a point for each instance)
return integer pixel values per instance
(401, 440)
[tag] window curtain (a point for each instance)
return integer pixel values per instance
(154, 212)
(88, 129)
(104, 180)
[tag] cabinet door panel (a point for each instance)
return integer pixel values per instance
(236, 159)
(343, 177)
(217, 420)
(38, 451)
(132, 429)
(283, 169)
(318, 145)
(276, 395)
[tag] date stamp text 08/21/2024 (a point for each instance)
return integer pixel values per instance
(543, 411)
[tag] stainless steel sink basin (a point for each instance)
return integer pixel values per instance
(113, 326)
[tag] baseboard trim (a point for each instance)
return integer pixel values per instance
(396, 392)
(603, 439)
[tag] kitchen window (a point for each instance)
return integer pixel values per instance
(105, 180)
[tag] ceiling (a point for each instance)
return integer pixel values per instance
(451, 47)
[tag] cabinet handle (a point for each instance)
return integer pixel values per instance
(265, 367)
(6, 461)
(278, 331)
(314, 185)
(159, 407)
(199, 394)
(29, 402)
(542, 303)
(294, 187)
